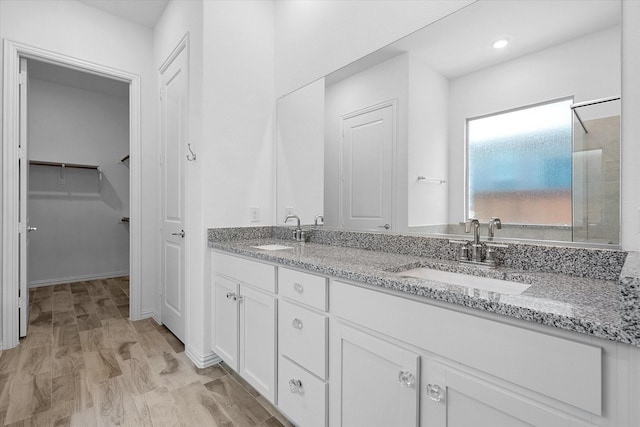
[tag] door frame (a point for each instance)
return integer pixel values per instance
(13, 51)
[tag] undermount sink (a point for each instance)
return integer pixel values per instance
(484, 283)
(272, 247)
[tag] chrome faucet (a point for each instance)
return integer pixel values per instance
(476, 247)
(494, 223)
(291, 217)
(471, 252)
(298, 234)
(318, 217)
(473, 222)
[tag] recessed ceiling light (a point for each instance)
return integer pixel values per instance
(499, 44)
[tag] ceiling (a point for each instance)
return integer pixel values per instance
(462, 42)
(143, 12)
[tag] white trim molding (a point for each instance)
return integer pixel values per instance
(202, 361)
(13, 51)
(74, 279)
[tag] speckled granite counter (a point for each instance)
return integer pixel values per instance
(591, 306)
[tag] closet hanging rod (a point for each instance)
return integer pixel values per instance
(63, 165)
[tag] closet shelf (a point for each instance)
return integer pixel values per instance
(63, 165)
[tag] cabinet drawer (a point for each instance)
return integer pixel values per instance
(303, 337)
(254, 273)
(306, 406)
(305, 288)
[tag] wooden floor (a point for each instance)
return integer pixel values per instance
(84, 363)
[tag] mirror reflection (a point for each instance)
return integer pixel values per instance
(442, 126)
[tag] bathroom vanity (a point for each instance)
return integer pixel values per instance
(335, 334)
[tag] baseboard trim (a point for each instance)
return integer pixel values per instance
(150, 313)
(74, 279)
(202, 361)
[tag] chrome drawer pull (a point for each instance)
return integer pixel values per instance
(297, 323)
(295, 386)
(434, 392)
(406, 378)
(298, 287)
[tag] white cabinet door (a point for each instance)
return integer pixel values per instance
(376, 382)
(258, 340)
(225, 320)
(456, 399)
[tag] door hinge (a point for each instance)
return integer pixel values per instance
(22, 78)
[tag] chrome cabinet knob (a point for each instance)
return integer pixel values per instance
(406, 378)
(297, 323)
(386, 226)
(295, 386)
(231, 295)
(434, 392)
(298, 287)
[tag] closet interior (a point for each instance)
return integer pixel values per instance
(78, 133)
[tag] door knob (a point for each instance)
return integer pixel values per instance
(181, 234)
(386, 226)
(30, 228)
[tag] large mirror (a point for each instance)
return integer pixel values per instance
(442, 126)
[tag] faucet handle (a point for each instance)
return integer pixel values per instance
(494, 223)
(463, 250)
(469, 222)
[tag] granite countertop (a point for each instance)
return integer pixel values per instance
(578, 304)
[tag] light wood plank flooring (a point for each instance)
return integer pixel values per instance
(84, 363)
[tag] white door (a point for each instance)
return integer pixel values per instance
(367, 169)
(173, 124)
(225, 320)
(23, 195)
(257, 340)
(455, 399)
(378, 383)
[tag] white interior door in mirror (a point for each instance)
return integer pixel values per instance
(367, 168)
(300, 153)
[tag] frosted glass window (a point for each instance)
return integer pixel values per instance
(519, 165)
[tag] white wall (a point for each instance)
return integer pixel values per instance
(300, 153)
(181, 18)
(561, 71)
(231, 129)
(630, 235)
(80, 235)
(74, 29)
(315, 38)
(428, 151)
(385, 82)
